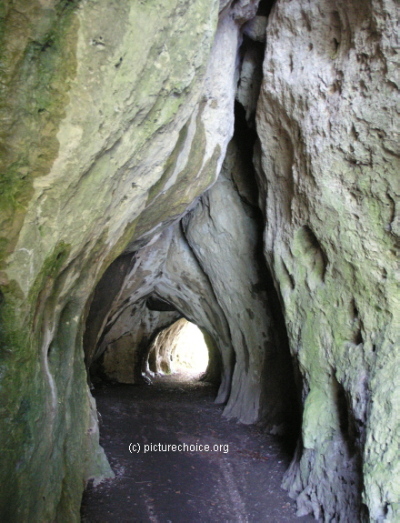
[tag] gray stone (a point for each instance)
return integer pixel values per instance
(119, 187)
(329, 181)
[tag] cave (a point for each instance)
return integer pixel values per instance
(232, 164)
(181, 348)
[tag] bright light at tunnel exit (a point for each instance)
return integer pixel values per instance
(191, 353)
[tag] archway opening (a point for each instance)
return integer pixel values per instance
(179, 349)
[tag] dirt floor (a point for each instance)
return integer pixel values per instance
(236, 480)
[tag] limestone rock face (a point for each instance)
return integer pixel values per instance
(327, 122)
(123, 209)
(123, 360)
(116, 116)
(164, 345)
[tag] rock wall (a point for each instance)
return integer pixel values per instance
(116, 115)
(239, 281)
(328, 170)
(161, 350)
(124, 359)
(116, 118)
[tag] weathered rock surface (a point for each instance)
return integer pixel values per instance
(328, 127)
(115, 119)
(220, 284)
(124, 360)
(116, 116)
(240, 289)
(161, 351)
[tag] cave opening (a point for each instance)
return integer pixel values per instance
(194, 312)
(249, 376)
(179, 349)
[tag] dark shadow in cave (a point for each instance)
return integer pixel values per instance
(245, 137)
(264, 7)
(156, 438)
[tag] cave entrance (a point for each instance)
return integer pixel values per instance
(179, 349)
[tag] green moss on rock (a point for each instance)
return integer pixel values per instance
(38, 53)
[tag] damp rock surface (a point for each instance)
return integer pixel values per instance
(329, 181)
(239, 482)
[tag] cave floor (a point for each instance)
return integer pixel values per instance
(239, 482)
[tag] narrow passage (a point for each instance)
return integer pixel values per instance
(236, 480)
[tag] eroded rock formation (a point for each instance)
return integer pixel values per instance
(329, 177)
(200, 268)
(123, 209)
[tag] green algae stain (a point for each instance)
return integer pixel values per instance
(16, 362)
(49, 271)
(38, 63)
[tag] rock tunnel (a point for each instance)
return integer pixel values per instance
(233, 163)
